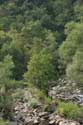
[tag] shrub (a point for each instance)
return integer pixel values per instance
(33, 103)
(39, 95)
(6, 105)
(3, 122)
(70, 110)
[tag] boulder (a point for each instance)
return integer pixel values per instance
(28, 121)
(36, 122)
(43, 122)
(52, 122)
(43, 114)
(68, 123)
(51, 107)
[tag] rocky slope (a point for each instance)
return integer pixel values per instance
(29, 116)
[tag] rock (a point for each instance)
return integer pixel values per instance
(61, 123)
(43, 122)
(36, 122)
(43, 114)
(68, 123)
(52, 116)
(65, 122)
(52, 122)
(80, 120)
(74, 123)
(66, 93)
(51, 107)
(58, 121)
(29, 121)
(16, 108)
(63, 90)
(78, 99)
(14, 123)
(29, 116)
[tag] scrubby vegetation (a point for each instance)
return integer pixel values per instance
(70, 110)
(40, 42)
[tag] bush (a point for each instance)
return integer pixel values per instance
(33, 103)
(70, 110)
(3, 122)
(18, 94)
(47, 100)
(6, 105)
(39, 95)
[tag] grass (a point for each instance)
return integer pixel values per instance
(2, 122)
(70, 110)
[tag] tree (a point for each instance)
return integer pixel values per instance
(40, 70)
(71, 52)
(78, 9)
(73, 41)
(6, 83)
(75, 69)
(6, 67)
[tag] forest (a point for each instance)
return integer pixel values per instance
(41, 45)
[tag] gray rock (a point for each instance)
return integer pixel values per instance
(68, 123)
(43, 122)
(43, 114)
(51, 107)
(29, 121)
(36, 122)
(52, 122)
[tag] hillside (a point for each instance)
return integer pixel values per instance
(41, 47)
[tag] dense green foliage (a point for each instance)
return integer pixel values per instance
(40, 41)
(70, 110)
(71, 51)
